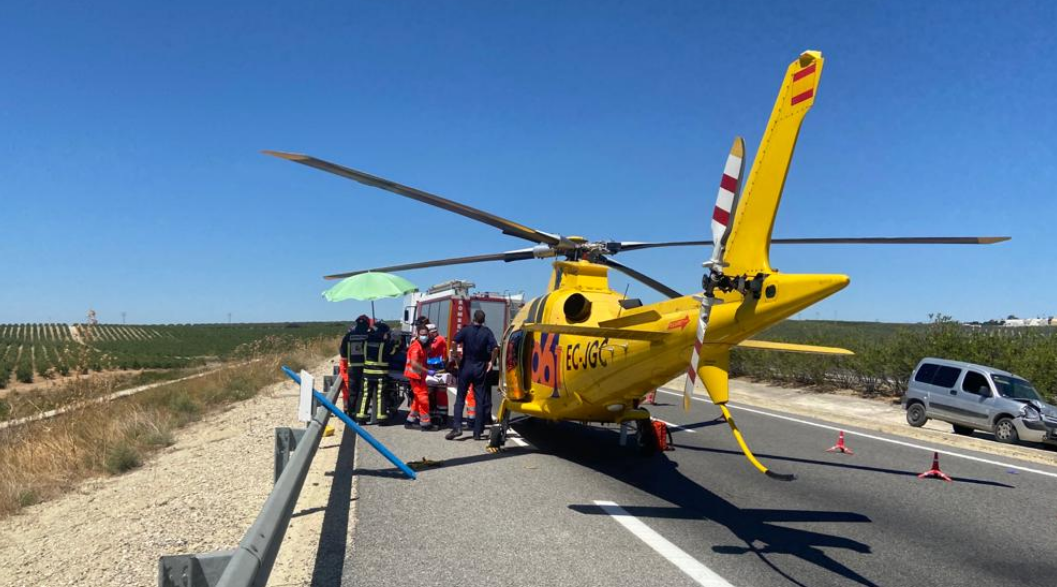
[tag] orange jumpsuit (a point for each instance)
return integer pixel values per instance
(438, 353)
(416, 354)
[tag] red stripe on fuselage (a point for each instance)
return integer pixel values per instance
(810, 69)
(803, 96)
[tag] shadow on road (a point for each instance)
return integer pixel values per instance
(596, 449)
(393, 473)
(841, 465)
(713, 422)
(334, 536)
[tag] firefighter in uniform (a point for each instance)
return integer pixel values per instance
(373, 398)
(479, 352)
(416, 374)
(352, 350)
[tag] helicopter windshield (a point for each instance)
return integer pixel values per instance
(1015, 388)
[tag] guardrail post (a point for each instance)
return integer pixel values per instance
(286, 441)
(328, 380)
(193, 570)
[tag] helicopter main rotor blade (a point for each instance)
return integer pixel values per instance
(895, 240)
(507, 226)
(518, 255)
(642, 277)
(871, 240)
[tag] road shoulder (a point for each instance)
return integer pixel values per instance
(878, 415)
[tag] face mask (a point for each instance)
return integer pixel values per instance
(423, 339)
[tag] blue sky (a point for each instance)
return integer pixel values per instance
(131, 178)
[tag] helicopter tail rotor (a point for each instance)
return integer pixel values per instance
(722, 214)
(713, 367)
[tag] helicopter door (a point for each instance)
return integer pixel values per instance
(518, 355)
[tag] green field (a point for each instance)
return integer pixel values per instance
(886, 353)
(30, 351)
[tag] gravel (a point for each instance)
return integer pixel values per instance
(199, 495)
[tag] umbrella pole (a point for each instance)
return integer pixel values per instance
(372, 309)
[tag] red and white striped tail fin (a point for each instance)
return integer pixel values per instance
(727, 198)
(695, 359)
(722, 217)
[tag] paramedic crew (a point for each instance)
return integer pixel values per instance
(437, 361)
(438, 345)
(479, 351)
(416, 376)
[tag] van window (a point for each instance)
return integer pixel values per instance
(926, 372)
(974, 381)
(1015, 388)
(946, 376)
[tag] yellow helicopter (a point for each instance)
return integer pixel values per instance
(583, 352)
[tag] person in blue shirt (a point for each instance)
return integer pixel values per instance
(479, 352)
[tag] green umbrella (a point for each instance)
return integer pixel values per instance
(370, 287)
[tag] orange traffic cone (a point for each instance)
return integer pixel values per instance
(935, 470)
(840, 447)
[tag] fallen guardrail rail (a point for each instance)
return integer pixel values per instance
(251, 563)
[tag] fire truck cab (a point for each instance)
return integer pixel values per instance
(450, 305)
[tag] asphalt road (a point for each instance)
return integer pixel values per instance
(698, 515)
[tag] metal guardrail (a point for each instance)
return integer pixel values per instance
(251, 563)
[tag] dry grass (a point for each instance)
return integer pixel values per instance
(41, 460)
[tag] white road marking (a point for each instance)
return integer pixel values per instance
(880, 438)
(694, 569)
(676, 426)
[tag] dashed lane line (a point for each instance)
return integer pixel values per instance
(874, 437)
(693, 568)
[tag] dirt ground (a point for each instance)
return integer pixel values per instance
(199, 495)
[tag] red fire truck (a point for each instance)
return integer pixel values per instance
(450, 305)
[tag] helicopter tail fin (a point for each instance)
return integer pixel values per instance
(748, 246)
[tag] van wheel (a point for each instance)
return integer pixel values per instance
(1005, 431)
(963, 430)
(916, 415)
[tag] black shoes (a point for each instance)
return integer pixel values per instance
(428, 428)
(455, 433)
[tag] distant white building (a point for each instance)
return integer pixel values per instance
(1020, 322)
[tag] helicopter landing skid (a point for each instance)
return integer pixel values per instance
(498, 434)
